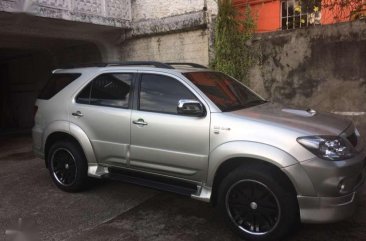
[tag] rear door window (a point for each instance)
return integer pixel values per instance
(111, 90)
(55, 84)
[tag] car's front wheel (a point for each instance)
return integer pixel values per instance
(258, 204)
(67, 166)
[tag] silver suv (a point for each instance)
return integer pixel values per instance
(184, 128)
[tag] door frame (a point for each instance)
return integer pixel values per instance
(194, 91)
(137, 87)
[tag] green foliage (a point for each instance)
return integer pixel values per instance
(232, 54)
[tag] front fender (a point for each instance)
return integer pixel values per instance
(260, 151)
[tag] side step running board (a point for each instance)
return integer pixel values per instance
(166, 185)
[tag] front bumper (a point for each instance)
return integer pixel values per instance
(331, 209)
(327, 209)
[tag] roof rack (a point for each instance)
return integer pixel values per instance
(132, 63)
(194, 65)
(129, 63)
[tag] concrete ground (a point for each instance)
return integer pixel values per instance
(118, 211)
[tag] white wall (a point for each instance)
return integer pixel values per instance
(189, 46)
(151, 9)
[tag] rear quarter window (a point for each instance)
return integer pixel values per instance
(55, 84)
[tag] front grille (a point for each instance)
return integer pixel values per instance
(353, 139)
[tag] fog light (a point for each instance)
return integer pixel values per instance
(341, 187)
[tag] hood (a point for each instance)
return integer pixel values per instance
(308, 122)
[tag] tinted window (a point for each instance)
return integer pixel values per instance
(161, 93)
(227, 93)
(107, 90)
(84, 95)
(55, 84)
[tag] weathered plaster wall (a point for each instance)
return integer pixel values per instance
(115, 13)
(153, 9)
(177, 23)
(175, 30)
(191, 46)
(321, 67)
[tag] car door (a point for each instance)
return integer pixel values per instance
(102, 110)
(162, 141)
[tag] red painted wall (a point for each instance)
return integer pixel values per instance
(328, 16)
(266, 13)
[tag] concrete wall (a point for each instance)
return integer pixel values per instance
(321, 67)
(152, 9)
(176, 30)
(115, 13)
(191, 46)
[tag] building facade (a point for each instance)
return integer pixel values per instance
(275, 15)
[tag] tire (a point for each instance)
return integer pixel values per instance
(258, 203)
(68, 166)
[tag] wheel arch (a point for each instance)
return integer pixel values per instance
(236, 162)
(231, 155)
(75, 135)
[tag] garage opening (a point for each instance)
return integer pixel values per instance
(24, 70)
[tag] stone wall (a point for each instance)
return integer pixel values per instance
(322, 67)
(190, 46)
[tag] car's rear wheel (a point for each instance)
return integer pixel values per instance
(67, 166)
(257, 204)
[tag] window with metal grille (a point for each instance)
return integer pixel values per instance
(299, 14)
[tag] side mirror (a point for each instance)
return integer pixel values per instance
(190, 107)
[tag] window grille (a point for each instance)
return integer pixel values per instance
(298, 14)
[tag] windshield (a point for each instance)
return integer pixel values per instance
(228, 94)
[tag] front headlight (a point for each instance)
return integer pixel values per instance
(332, 148)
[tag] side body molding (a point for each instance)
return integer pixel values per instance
(264, 152)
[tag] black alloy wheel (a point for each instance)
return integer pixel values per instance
(63, 167)
(259, 203)
(68, 166)
(253, 207)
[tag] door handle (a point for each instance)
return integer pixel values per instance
(139, 122)
(78, 114)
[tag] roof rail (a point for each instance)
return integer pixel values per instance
(80, 65)
(194, 65)
(127, 63)
(132, 63)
